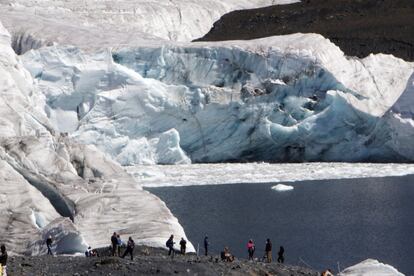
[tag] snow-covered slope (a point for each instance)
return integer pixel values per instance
(371, 268)
(286, 98)
(114, 22)
(50, 185)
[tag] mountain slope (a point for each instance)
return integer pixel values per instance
(357, 27)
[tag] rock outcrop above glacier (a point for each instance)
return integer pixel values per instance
(286, 98)
(357, 27)
(51, 185)
(93, 23)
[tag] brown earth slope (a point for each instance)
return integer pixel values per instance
(358, 27)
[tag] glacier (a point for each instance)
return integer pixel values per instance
(88, 21)
(103, 91)
(285, 98)
(255, 173)
(51, 185)
(370, 267)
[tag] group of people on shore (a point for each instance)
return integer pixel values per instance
(226, 254)
(251, 248)
(117, 244)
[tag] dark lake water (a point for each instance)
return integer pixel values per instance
(320, 223)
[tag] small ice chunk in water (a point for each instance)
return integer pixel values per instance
(282, 188)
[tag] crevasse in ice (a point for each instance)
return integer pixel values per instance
(285, 98)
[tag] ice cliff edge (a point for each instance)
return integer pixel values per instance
(284, 98)
(52, 185)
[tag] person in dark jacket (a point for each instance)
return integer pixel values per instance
(268, 251)
(114, 242)
(49, 242)
(3, 259)
(130, 248)
(170, 244)
(206, 245)
(183, 245)
(281, 258)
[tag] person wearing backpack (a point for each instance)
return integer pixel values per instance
(130, 248)
(170, 244)
(49, 242)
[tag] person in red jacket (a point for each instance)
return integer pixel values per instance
(250, 249)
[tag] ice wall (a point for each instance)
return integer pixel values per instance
(286, 98)
(51, 185)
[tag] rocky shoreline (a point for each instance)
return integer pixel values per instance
(147, 261)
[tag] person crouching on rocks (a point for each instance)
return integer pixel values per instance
(114, 242)
(91, 252)
(49, 242)
(3, 260)
(227, 255)
(250, 249)
(183, 245)
(170, 244)
(130, 248)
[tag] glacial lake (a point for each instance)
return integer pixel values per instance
(319, 223)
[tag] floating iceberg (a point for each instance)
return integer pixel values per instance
(282, 188)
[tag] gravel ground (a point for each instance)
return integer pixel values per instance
(148, 261)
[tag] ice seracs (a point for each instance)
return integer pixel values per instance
(284, 98)
(51, 185)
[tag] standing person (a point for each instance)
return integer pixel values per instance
(206, 245)
(3, 260)
(250, 249)
(130, 248)
(114, 242)
(170, 244)
(49, 242)
(119, 244)
(268, 250)
(281, 258)
(183, 244)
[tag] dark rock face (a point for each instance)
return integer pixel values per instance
(358, 27)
